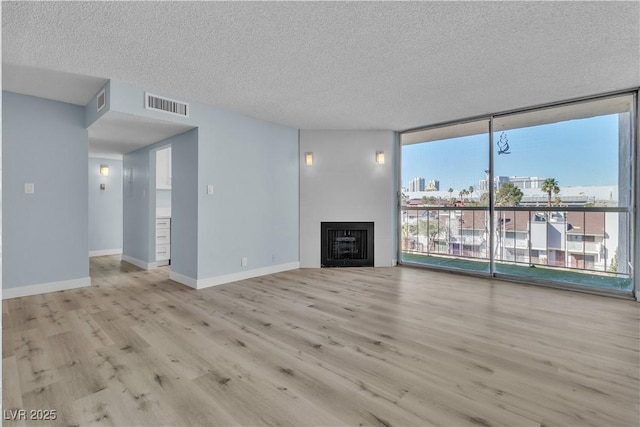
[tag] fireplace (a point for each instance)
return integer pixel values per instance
(346, 244)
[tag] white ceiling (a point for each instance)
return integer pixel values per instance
(50, 84)
(117, 132)
(328, 65)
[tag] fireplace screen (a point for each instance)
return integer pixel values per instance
(347, 244)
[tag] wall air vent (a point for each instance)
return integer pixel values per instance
(102, 100)
(166, 105)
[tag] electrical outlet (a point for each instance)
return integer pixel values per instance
(243, 261)
(210, 189)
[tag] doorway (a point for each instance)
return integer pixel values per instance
(163, 207)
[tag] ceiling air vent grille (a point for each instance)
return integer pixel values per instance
(166, 105)
(101, 100)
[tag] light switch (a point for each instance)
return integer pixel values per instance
(29, 188)
(210, 189)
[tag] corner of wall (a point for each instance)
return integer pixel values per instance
(140, 263)
(184, 280)
(91, 113)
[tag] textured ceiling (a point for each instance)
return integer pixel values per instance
(326, 65)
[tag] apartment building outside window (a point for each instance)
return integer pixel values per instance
(560, 206)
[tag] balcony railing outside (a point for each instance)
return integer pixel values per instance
(573, 238)
(588, 247)
(443, 231)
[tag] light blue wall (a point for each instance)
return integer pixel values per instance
(138, 205)
(253, 166)
(128, 98)
(105, 206)
(184, 204)
(45, 235)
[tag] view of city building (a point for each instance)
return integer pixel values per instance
(522, 182)
(532, 194)
(416, 184)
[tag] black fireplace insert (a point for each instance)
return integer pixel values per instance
(346, 244)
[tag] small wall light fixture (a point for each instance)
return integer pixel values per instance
(308, 159)
(104, 170)
(380, 157)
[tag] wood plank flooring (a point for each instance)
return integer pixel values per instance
(321, 347)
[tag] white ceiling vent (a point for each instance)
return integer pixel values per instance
(102, 100)
(166, 105)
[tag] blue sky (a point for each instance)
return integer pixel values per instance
(576, 152)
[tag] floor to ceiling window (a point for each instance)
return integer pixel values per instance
(547, 197)
(445, 215)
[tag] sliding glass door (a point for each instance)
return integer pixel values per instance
(444, 214)
(543, 195)
(563, 207)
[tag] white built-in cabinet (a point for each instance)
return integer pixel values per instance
(163, 169)
(163, 241)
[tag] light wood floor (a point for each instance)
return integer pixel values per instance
(383, 347)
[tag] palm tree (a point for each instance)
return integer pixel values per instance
(550, 185)
(471, 190)
(450, 190)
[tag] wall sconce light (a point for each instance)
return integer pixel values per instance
(104, 170)
(308, 159)
(380, 157)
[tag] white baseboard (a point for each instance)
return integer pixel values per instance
(185, 280)
(43, 288)
(139, 263)
(234, 277)
(104, 252)
(249, 274)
